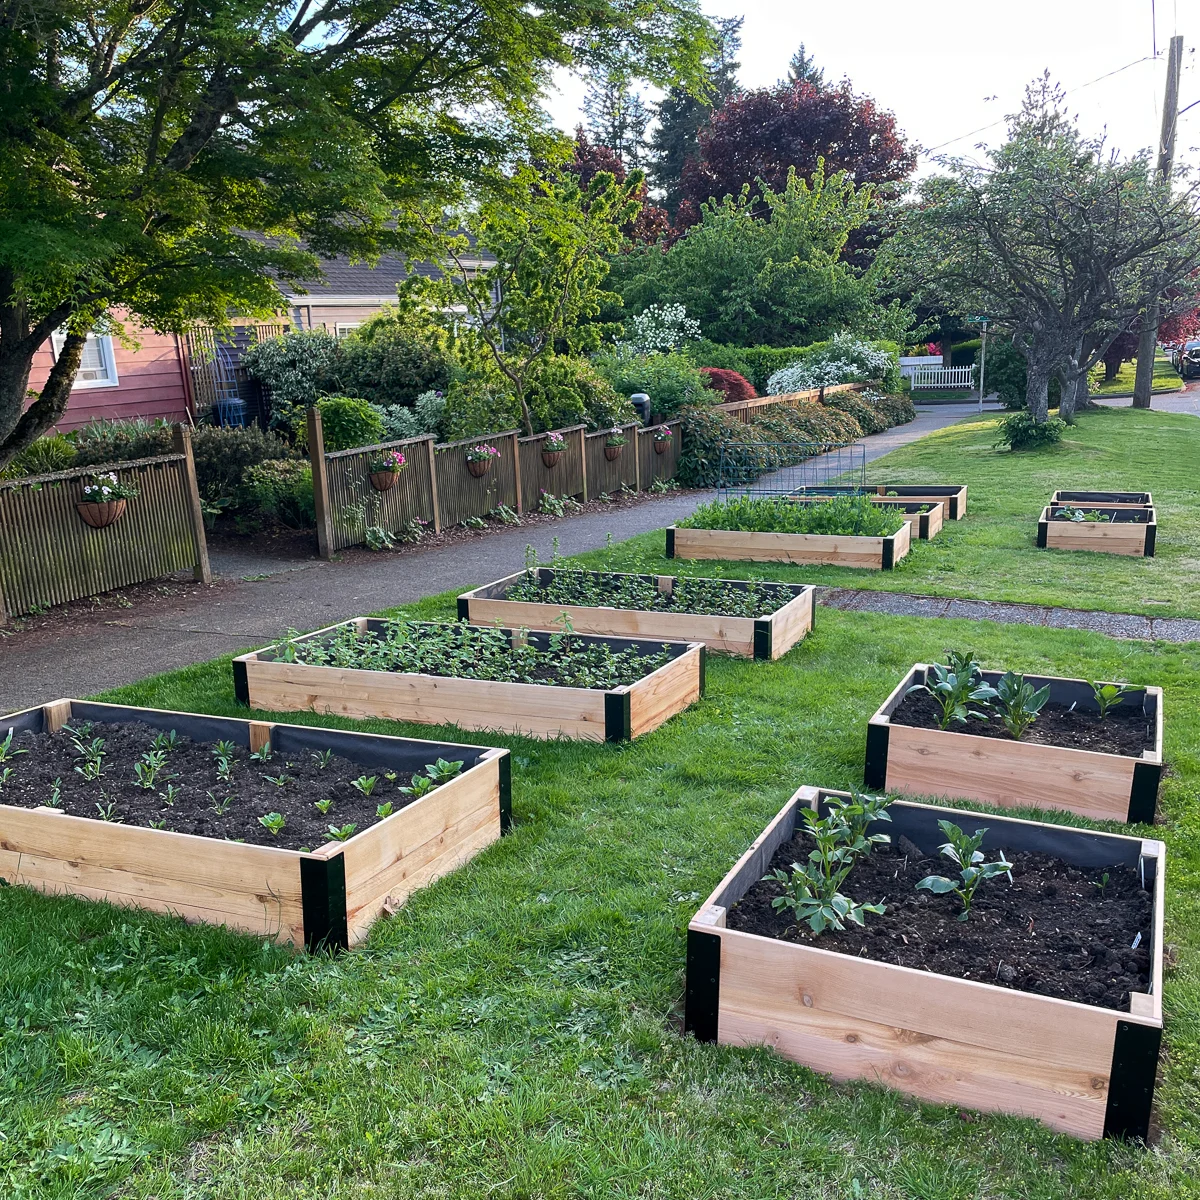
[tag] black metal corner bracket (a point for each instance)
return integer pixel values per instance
(241, 683)
(702, 1001)
(1131, 1080)
(763, 635)
(323, 901)
(618, 720)
(875, 770)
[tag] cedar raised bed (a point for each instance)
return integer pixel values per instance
(1004, 772)
(870, 553)
(1082, 1069)
(533, 709)
(768, 636)
(952, 497)
(327, 898)
(1131, 531)
(925, 518)
(1111, 499)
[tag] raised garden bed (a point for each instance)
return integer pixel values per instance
(925, 519)
(952, 496)
(969, 1013)
(749, 619)
(201, 850)
(1113, 499)
(1106, 529)
(1069, 758)
(512, 680)
(771, 530)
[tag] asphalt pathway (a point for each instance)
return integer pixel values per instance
(271, 595)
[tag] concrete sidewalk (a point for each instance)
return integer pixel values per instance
(267, 595)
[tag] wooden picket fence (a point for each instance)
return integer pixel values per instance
(437, 490)
(49, 556)
(744, 410)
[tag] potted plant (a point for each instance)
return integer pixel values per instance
(479, 459)
(661, 439)
(553, 447)
(613, 443)
(838, 939)
(385, 470)
(104, 500)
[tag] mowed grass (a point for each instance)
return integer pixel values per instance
(1165, 378)
(514, 1032)
(993, 553)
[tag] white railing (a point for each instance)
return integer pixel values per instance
(942, 377)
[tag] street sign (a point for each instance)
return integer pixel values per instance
(978, 320)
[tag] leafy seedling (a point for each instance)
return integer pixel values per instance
(365, 783)
(323, 759)
(273, 823)
(390, 776)
(955, 693)
(5, 776)
(323, 806)
(384, 810)
(171, 794)
(263, 755)
(6, 749)
(223, 750)
(108, 812)
(420, 786)
(1017, 702)
(280, 780)
(55, 793)
(165, 742)
(1102, 883)
(341, 834)
(1109, 695)
(442, 770)
(964, 852)
(220, 808)
(91, 769)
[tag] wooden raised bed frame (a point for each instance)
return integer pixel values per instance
(951, 496)
(1119, 536)
(767, 637)
(1107, 499)
(532, 709)
(925, 525)
(1082, 1070)
(1000, 771)
(870, 553)
(329, 898)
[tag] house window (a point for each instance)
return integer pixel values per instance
(344, 327)
(97, 367)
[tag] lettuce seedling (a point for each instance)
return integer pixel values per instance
(964, 851)
(1018, 703)
(323, 806)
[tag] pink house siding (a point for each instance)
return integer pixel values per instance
(150, 383)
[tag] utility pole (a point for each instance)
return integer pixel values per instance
(1148, 341)
(982, 363)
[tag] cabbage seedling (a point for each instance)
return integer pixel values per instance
(1017, 702)
(273, 823)
(323, 806)
(341, 835)
(365, 783)
(955, 693)
(964, 852)
(1109, 695)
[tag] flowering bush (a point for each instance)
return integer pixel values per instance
(843, 359)
(662, 434)
(105, 488)
(731, 384)
(393, 462)
(554, 443)
(660, 329)
(615, 437)
(482, 453)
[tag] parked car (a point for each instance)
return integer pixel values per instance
(1187, 360)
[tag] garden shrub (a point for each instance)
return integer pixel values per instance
(704, 353)
(566, 390)
(393, 359)
(1022, 432)
(54, 452)
(283, 489)
(731, 384)
(869, 418)
(660, 329)
(897, 407)
(843, 359)
(1005, 373)
(763, 361)
(705, 431)
(808, 422)
(480, 404)
(425, 416)
(115, 441)
(671, 381)
(294, 370)
(349, 421)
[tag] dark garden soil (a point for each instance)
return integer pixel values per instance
(1052, 931)
(1125, 516)
(191, 767)
(1126, 730)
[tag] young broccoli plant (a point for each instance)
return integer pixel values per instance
(1018, 703)
(964, 852)
(813, 890)
(1109, 695)
(956, 690)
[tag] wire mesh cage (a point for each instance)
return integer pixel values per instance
(793, 469)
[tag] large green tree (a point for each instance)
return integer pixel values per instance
(143, 144)
(1060, 242)
(777, 281)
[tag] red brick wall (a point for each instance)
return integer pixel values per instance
(150, 383)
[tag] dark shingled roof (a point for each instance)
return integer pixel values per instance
(344, 278)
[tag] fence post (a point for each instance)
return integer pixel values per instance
(181, 439)
(516, 449)
(320, 478)
(437, 512)
(583, 460)
(637, 457)
(3, 610)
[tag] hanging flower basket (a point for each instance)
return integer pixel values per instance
(104, 500)
(385, 470)
(479, 459)
(553, 447)
(661, 439)
(614, 443)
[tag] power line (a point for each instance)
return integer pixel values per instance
(1070, 92)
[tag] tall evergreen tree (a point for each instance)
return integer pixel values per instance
(681, 114)
(803, 69)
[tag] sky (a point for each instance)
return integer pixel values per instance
(947, 69)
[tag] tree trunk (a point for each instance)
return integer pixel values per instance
(1037, 386)
(1111, 370)
(17, 429)
(1143, 384)
(1066, 400)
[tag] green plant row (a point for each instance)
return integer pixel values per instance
(840, 516)
(470, 652)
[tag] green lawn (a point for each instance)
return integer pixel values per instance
(515, 1031)
(1166, 378)
(993, 554)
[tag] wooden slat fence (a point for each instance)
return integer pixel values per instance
(436, 486)
(49, 556)
(744, 410)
